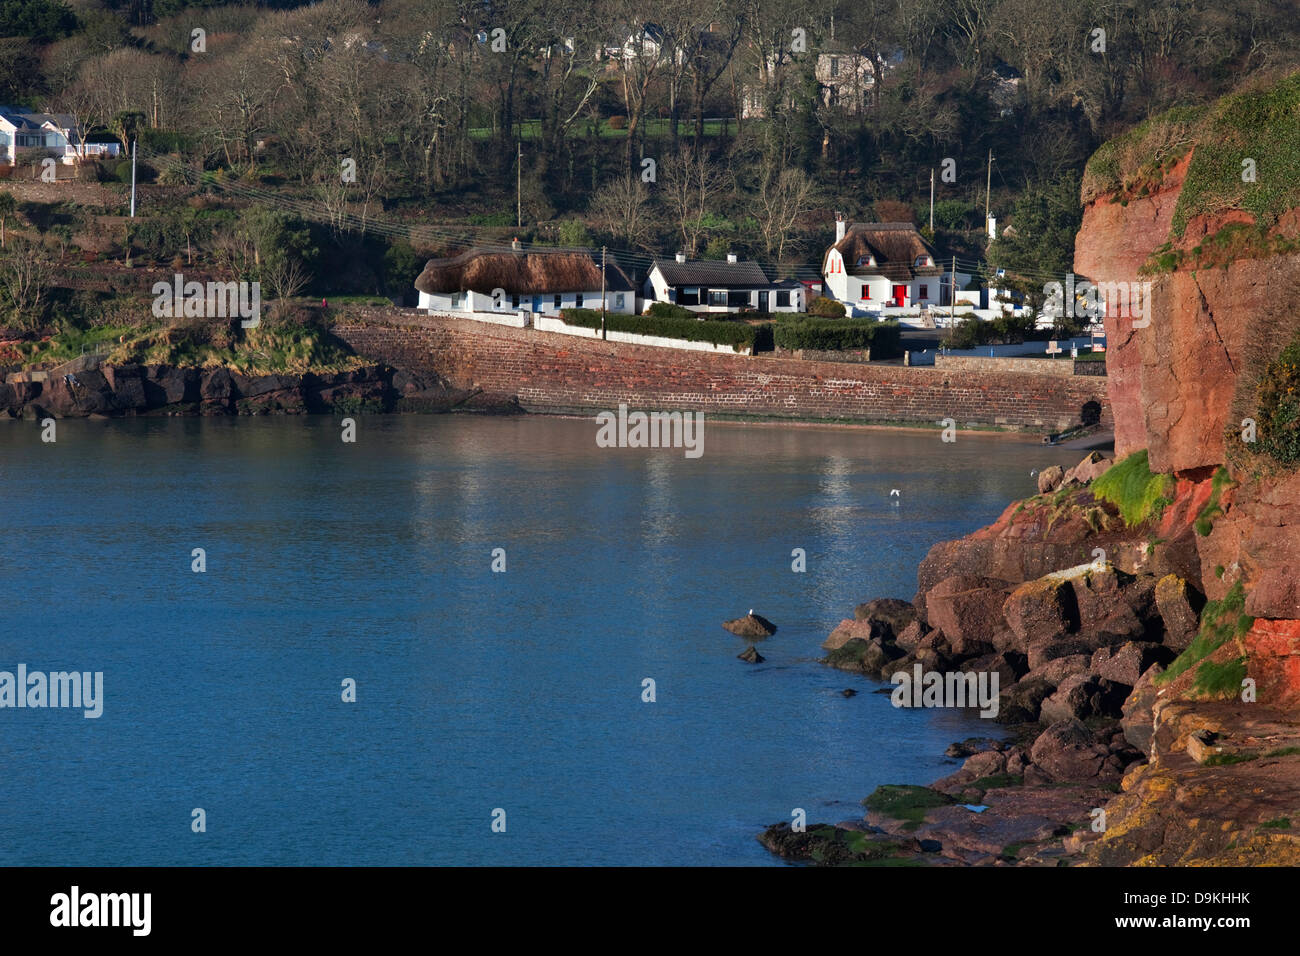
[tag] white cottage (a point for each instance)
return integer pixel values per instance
(535, 281)
(885, 268)
(714, 286)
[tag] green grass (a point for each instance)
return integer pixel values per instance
(1220, 679)
(1131, 487)
(1281, 823)
(905, 802)
(1256, 124)
(1139, 158)
(1204, 523)
(74, 342)
(654, 128)
(1227, 760)
(998, 780)
(1011, 849)
(271, 347)
(1221, 621)
(358, 299)
(1279, 406)
(1283, 752)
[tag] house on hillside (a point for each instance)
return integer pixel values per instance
(886, 269)
(714, 286)
(47, 134)
(846, 80)
(512, 281)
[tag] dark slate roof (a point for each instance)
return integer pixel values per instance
(711, 273)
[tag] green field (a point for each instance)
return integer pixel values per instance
(653, 128)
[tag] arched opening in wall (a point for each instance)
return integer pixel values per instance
(1090, 414)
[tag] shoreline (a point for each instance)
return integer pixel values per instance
(90, 388)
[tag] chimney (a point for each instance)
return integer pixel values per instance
(681, 257)
(731, 257)
(839, 226)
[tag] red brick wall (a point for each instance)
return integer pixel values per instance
(550, 371)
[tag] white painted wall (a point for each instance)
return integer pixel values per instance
(482, 302)
(549, 324)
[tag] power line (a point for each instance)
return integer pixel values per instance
(455, 237)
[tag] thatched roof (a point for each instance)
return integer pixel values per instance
(520, 273)
(895, 245)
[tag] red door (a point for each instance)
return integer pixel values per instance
(900, 293)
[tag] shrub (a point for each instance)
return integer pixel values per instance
(1220, 622)
(1204, 523)
(834, 335)
(617, 122)
(1279, 406)
(954, 214)
(1131, 487)
(826, 308)
(970, 332)
(667, 310)
(736, 334)
(573, 233)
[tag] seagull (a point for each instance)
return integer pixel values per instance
(751, 612)
(893, 492)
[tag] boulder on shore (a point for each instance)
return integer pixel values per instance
(1081, 474)
(967, 606)
(752, 626)
(894, 614)
(1049, 479)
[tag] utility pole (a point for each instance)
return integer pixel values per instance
(952, 299)
(602, 294)
(988, 186)
(519, 184)
(133, 142)
(932, 202)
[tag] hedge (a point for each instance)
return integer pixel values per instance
(669, 310)
(736, 334)
(826, 308)
(832, 335)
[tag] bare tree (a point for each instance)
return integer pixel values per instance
(689, 183)
(784, 194)
(642, 59)
(28, 269)
(622, 208)
(284, 278)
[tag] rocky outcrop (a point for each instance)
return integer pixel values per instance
(752, 626)
(1115, 241)
(86, 388)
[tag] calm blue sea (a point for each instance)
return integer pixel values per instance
(476, 690)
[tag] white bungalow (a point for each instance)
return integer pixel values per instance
(483, 281)
(714, 286)
(54, 134)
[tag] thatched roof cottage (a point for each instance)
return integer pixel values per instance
(874, 266)
(483, 280)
